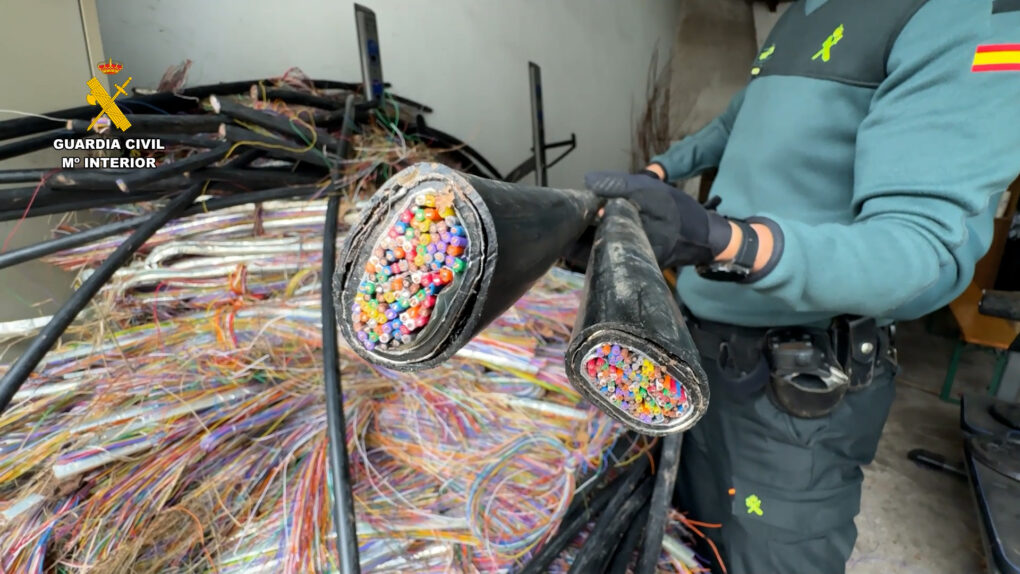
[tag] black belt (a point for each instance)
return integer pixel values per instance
(748, 358)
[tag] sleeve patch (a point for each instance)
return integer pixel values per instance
(997, 58)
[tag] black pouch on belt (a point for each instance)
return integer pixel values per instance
(857, 346)
(734, 353)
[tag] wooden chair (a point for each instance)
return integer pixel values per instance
(981, 331)
(992, 334)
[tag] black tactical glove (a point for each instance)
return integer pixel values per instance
(680, 230)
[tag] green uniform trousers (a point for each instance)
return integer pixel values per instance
(784, 489)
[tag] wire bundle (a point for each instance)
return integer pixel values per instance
(184, 430)
(410, 265)
(179, 424)
(677, 556)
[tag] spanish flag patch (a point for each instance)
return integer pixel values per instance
(997, 58)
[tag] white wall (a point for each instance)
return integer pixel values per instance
(467, 59)
(711, 60)
(764, 20)
(41, 76)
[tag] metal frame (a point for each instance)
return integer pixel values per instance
(1001, 357)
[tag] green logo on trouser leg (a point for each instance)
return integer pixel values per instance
(753, 505)
(831, 41)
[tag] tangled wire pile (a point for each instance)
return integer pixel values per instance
(180, 427)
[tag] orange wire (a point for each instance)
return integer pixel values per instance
(715, 550)
(201, 535)
(704, 524)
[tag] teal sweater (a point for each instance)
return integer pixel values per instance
(883, 197)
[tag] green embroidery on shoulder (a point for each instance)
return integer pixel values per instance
(833, 39)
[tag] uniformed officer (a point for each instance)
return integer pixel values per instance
(859, 173)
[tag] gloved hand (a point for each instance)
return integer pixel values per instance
(680, 230)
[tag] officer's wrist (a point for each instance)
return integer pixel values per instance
(656, 169)
(765, 245)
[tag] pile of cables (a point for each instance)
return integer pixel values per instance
(170, 417)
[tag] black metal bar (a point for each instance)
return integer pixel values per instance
(662, 496)
(527, 166)
(521, 170)
(196, 161)
(538, 125)
(572, 524)
(623, 555)
(572, 142)
(343, 498)
(32, 143)
(43, 342)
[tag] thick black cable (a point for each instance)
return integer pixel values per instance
(85, 203)
(33, 143)
(171, 103)
(277, 123)
(41, 344)
(665, 479)
(17, 198)
(44, 248)
(609, 528)
(74, 201)
(478, 164)
(168, 102)
(336, 427)
(48, 247)
(137, 180)
(22, 175)
(623, 555)
(574, 522)
(156, 125)
(252, 178)
(293, 151)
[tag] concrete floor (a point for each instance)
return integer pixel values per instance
(914, 520)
